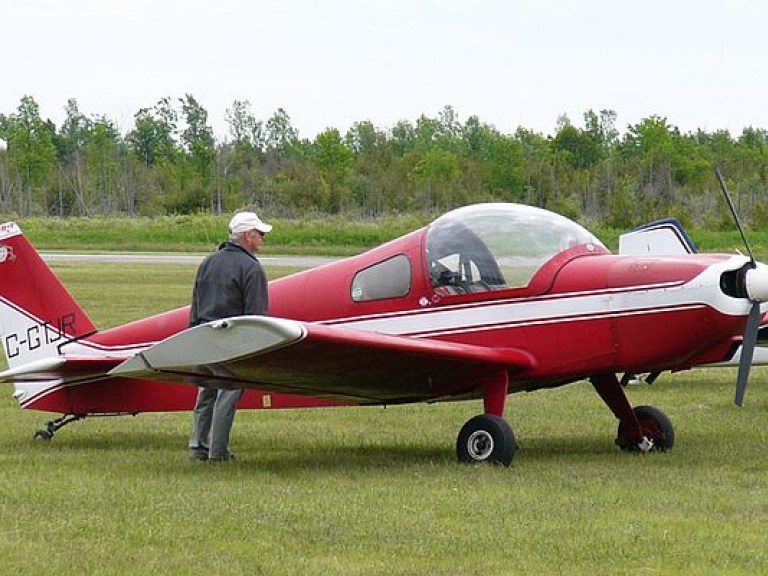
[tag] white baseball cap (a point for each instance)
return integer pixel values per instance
(244, 221)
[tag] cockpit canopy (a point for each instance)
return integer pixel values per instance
(497, 246)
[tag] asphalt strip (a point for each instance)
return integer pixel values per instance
(297, 261)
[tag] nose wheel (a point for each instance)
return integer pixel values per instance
(658, 432)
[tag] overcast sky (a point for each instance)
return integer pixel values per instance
(330, 63)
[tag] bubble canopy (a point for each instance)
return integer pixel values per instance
(496, 246)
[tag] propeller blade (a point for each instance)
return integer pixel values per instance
(735, 215)
(755, 285)
(747, 351)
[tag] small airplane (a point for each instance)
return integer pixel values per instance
(487, 300)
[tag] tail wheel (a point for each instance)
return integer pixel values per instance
(656, 427)
(486, 438)
(42, 435)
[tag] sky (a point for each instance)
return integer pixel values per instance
(331, 63)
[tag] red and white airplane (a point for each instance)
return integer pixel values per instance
(487, 300)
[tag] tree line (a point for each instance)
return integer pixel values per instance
(171, 163)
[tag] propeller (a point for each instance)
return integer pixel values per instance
(755, 282)
(747, 352)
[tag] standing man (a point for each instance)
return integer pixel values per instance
(229, 282)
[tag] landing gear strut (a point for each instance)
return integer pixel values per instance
(641, 429)
(53, 425)
(488, 437)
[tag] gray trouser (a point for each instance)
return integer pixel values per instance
(213, 418)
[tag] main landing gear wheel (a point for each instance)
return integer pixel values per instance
(486, 438)
(656, 427)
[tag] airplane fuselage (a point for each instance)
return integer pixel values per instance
(587, 312)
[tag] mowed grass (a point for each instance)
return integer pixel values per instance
(338, 235)
(378, 491)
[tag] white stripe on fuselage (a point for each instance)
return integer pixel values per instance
(700, 292)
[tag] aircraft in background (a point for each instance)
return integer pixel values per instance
(487, 300)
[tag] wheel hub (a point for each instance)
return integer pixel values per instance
(646, 445)
(480, 445)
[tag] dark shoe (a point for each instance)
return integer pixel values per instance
(226, 458)
(201, 455)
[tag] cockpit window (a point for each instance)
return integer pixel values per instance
(496, 246)
(388, 279)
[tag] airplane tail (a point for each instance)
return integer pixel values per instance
(37, 313)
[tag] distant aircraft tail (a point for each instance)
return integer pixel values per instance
(665, 237)
(37, 313)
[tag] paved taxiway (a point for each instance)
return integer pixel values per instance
(297, 261)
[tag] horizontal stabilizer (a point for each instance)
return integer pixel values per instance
(60, 367)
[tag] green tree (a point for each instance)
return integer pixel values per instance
(333, 159)
(540, 183)
(602, 128)
(649, 145)
(153, 138)
(247, 132)
(500, 158)
(239, 176)
(436, 174)
(155, 172)
(579, 148)
(104, 165)
(73, 140)
(368, 174)
(31, 154)
(403, 137)
(426, 133)
(449, 134)
(364, 139)
(199, 143)
(281, 136)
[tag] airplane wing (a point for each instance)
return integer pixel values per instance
(322, 361)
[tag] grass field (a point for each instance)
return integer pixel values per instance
(377, 491)
(330, 235)
(340, 235)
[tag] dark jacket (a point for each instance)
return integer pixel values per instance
(230, 282)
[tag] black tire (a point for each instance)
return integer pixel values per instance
(42, 435)
(486, 438)
(656, 426)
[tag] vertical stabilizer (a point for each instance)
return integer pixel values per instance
(37, 313)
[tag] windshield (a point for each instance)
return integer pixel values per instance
(497, 246)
